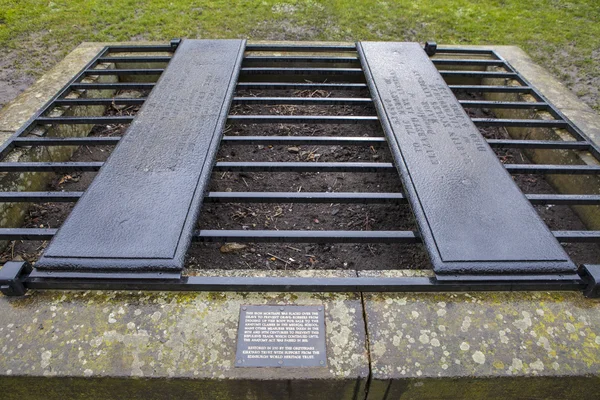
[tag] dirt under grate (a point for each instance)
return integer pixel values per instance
(301, 216)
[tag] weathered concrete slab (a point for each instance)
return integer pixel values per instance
(485, 345)
(184, 342)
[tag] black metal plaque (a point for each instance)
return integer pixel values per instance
(281, 336)
(472, 216)
(140, 211)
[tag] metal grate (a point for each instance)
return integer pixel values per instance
(337, 69)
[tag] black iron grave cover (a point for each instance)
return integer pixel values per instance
(140, 212)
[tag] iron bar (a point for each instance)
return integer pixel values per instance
(134, 59)
(524, 123)
(504, 104)
(577, 236)
(256, 236)
(564, 199)
(302, 48)
(27, 233)
(60, 141)
(100, 102)
(463, 61)
(157, 48)
(295, 167)
(305, 140)
(302, 119)
(539, 144)
(288, 284)
(492, 89)
(350, 101)
(43, 197)
(303, 197)
(300, 59)
(66, 166)
(301, 167)
(121, 72)
(300, 86)
(85, 120)
(456, 50)
(111, 86)
(268, 236)
(300, 71)
(479, 74)
(299, 197)
(552, 169)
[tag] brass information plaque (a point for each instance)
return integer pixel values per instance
(281, 336)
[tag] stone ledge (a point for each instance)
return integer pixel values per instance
(426, 343)
(110, 336)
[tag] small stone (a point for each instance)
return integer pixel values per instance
(375, 156)
(130, 94)
(335, 211)
(232, 247)
(294, 150)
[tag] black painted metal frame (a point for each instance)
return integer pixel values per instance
(342, 72)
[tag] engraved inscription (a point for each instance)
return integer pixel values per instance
(281, 336)
(140, 205)
(471, 215)
(427, 110)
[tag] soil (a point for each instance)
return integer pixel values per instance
(301, 216)
(12, 80)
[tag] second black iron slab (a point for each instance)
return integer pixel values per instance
(472, 216)
(140, 211)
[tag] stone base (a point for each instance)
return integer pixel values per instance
(146, 345)
(128, 345)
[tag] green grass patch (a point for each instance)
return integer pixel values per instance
(562, 35)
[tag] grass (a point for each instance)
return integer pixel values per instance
(562, 35)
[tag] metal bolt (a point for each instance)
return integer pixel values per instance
(281, 308)
(430, 48)
(239, 361)
(322, 362)
(244, 308)
(280, 362)
(175, 43)
(320, 308)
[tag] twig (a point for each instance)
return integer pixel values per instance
(285, 262)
